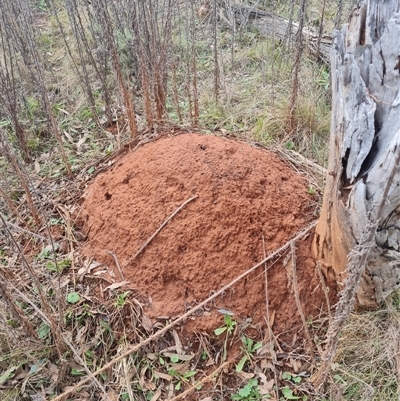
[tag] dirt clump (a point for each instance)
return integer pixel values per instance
(246, 197)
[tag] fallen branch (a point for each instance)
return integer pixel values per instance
(269, 24)
(199, 306)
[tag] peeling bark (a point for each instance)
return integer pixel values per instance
(365, 138)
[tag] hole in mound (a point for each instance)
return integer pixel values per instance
(243, 203)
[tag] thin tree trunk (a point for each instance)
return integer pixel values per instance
(364, 144)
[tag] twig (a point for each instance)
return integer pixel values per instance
(26, 231)
(199, 306)
(271, 333)
(298, 304)
(158, 230)
(205, 379)
(117, 264)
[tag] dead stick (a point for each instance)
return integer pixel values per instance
(114, 256)
(26, 231)
(159, 333)
(298, 303)
(271, 333)
(158, 230)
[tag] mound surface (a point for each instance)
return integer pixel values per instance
(246, 197)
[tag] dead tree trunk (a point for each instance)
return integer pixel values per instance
(364, 150)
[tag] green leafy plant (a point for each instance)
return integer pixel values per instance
(228, 328)
(311, 191)
(43, 331)
(44, 254)
(77, 372)
(324, 79)
(41, 5)
(73, 298)
(55, 222)
(122, 298)
(287, 394)
(250, 347)
(289, 145)
(290, 377)
(181, 378)
(5, 123)
(60, 265)
(249, 392)
(240, 365)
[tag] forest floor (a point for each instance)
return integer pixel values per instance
(165, 267)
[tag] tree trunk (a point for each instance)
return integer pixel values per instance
(364, 145)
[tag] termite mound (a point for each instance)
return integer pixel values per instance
(248, 203)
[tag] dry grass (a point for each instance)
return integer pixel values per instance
(367, 360)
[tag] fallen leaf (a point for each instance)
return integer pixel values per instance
(116, 285)
(150, 385)
(178, 356)
(265, 364)
(68, 136)
(181, 368)
(178, 344)
(147, 323)
(156, 395)
(161, 375)
(54, 371)
(296, 365)
(37, 397)
(81, 141)
(245, 375)
(110, 396)
(266, 388)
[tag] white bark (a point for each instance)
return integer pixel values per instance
(365, 137)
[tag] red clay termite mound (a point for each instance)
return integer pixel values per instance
(246, 197)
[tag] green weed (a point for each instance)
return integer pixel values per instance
(249, 392)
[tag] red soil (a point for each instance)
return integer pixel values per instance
(244, 194)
